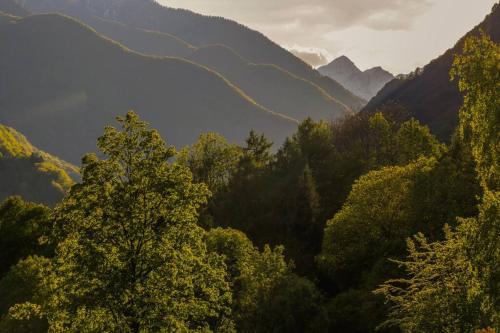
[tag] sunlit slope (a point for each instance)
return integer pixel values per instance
(31, 173)
(62, 82)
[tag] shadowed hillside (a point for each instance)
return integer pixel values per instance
(198, 30)
(428, 94)
(269, 85)
(60, 92)
(31, 173)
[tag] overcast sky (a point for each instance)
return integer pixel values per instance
(398, 35)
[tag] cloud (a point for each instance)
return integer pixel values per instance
(313, 56)
(329, 14)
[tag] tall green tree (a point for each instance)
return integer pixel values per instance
(454, 285)
(212, 160)
(130, 256)
(478, 73)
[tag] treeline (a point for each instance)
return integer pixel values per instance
(364, 224)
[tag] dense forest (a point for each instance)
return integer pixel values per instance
(366, 223)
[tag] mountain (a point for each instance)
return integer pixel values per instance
(31, 173)
(62, 83)
(269, 85)
(428, 94)
(198, 30)
(365, 84)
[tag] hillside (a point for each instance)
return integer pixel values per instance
(198, 30)
(31, 173)
(428, 94)
(271, 85)
(75, 84)
(365, 84)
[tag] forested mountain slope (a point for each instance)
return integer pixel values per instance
(31, 173)
(61, 91)
(428, 94)
(197, 30)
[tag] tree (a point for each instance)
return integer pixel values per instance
(212, 160)
(20, 285)
(373, 223)
(241, 205)
(268, 297)
(478, 73)
(22, 224)
(414, 140)
(130, 255)
(454, 285)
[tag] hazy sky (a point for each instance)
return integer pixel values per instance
(398, 35)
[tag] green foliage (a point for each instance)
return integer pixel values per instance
(352, 311)
(453, 285)
(12, 143)
(268, 297)
(373, 223)
(239, 207)
(129, 253)
(22, 224)
(414, 140)
(212, 160)
(478, 73)
(434, 296)
(21, 285)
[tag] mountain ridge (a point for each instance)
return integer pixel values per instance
(198, 30)
(365, 84)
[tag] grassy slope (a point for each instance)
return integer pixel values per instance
(61, 91)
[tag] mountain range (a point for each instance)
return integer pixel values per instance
(269, 91)
(365, 84)
(62, 91)
(195, 30)
(185, 73)
(428, 94)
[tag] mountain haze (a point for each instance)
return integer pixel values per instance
(428, 94)
(62, 91)
(197, 30)
(365, 84)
